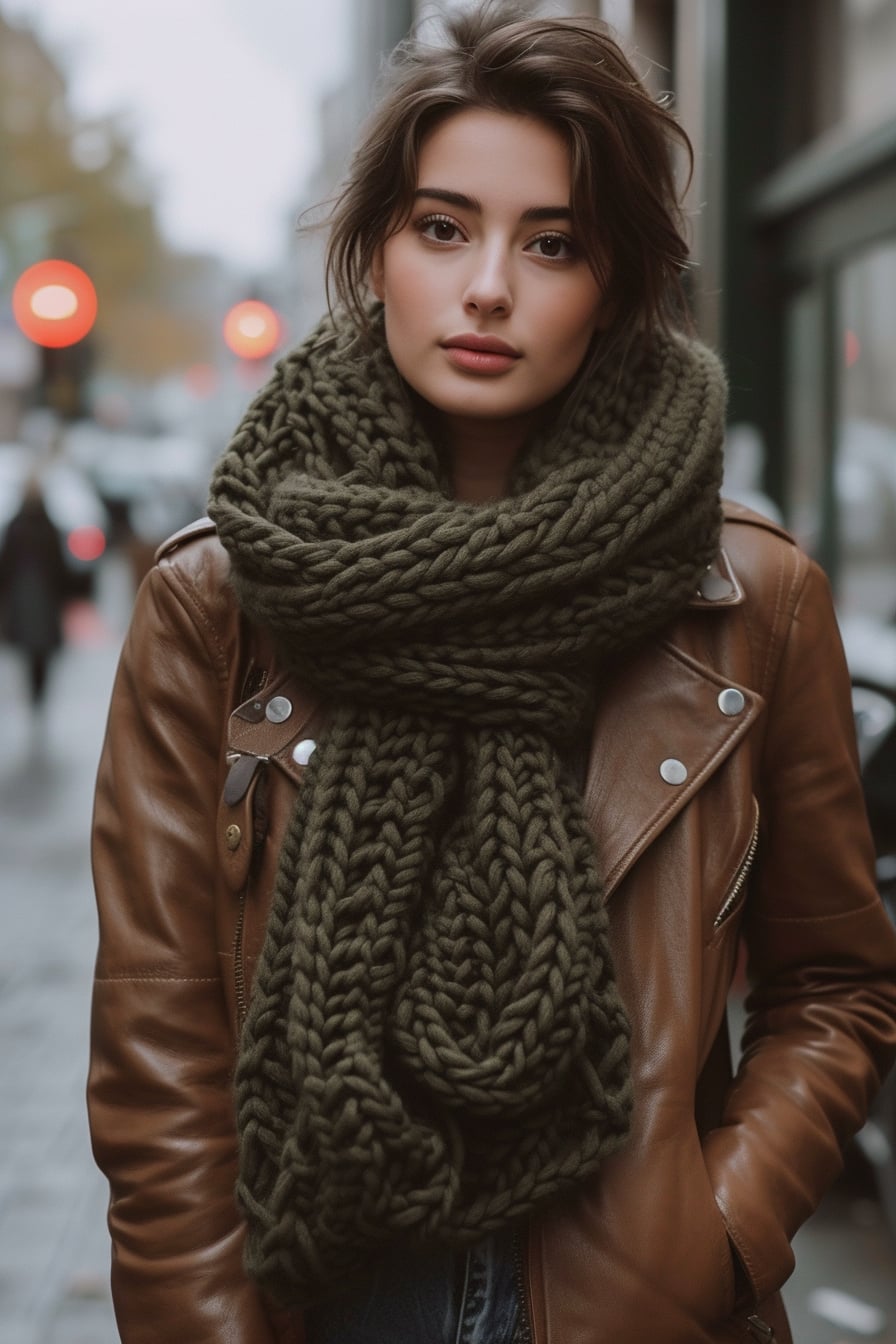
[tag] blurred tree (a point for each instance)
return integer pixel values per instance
(75, 191)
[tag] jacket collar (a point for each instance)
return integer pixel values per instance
(664, 717)
(719, 588)
(663, 727)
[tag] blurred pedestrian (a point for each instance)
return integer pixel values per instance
(34, 587)
(443, 774)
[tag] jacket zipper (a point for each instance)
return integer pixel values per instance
(743, 873)
(524, 1334)
(239, 970)
(259, 830)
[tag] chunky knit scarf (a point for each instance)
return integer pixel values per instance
(435, 1044)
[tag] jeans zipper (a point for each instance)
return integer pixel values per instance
(524, 1331)
(463, 1299)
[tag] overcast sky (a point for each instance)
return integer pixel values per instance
(221, 95)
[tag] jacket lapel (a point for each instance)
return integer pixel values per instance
(663, 727)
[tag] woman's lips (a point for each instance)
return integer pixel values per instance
(478, 360)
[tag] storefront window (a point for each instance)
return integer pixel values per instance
(805, 427)
(865, 477)
(869, 85)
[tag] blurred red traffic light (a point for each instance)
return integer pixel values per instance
(252, 329)
(86, 543)
(54, 303)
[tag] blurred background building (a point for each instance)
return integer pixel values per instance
(791, 105)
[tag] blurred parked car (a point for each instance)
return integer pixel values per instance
(72, 503)
(128, 470)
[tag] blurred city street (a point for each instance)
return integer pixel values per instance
(53, 1244)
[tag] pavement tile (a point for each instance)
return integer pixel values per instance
(54, 1250)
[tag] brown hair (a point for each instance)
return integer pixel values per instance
(569, 73)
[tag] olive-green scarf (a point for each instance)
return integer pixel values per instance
(435, 1044)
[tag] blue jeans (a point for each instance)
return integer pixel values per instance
(429, 1295)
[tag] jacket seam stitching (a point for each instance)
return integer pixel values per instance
(818, 919)
(765, 679)
(733, 1233)
(782, 605)
(184, 589)
(800, 578)
(159, 979)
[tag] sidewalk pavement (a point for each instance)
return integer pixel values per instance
(54, 1252)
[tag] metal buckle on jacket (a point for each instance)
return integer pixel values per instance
(759, 1330)
(240, 776)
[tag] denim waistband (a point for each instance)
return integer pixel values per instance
(429, 1295)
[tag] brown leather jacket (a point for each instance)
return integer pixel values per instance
(765, 836)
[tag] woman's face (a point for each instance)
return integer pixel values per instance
(490, 304)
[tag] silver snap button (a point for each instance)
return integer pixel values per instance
(714, 588)
(731, 701)
(302, 751)
(673, 771)
(278, 709)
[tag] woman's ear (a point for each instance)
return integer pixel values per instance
(376, 276)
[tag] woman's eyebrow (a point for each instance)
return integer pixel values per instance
(533, 214)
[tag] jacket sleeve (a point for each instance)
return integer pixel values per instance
(159, 1088)
(821, 1013)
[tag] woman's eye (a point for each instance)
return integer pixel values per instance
(439, 228)
(553, 246)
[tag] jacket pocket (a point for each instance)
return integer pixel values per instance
(688, 1257)
(737, 890)
(714, 1230)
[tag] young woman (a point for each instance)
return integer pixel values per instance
(446, 768)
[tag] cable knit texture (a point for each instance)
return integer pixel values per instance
(435, 1044)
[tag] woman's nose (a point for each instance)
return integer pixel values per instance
(489, 288)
